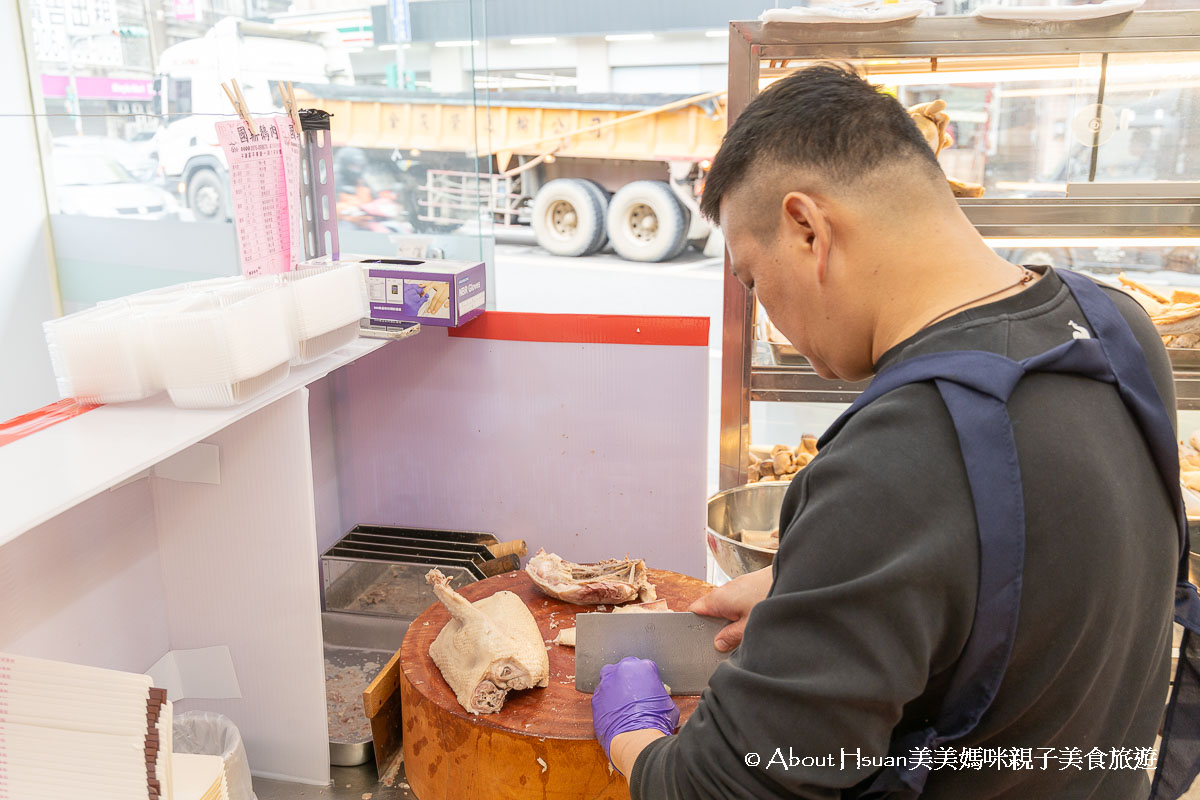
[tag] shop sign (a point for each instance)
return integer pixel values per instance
(90, 88)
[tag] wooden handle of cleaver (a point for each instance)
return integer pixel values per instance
(515, 547)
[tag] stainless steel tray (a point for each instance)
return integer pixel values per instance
(356, 649)
(379, 569)
(1184, 356)
(784, 354)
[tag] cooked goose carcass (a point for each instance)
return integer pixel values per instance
(488, 648)
(617, 580)
(653, 605)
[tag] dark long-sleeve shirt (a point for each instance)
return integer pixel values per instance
(875, 586)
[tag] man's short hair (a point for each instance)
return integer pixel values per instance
(825, 119)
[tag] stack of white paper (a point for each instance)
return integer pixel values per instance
(93, 734)
(198, 777)
(74, 731)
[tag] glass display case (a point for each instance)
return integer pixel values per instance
(1082, 135)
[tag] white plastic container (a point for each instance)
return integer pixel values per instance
(100, 355)
(223, 347)
(325, 308)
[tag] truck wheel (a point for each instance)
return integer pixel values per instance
(646, 222)
(603, 196)
(206, 196)
(568, 217)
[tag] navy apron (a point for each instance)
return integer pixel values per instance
(975, 387)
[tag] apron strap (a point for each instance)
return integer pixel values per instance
(1135, 384)
(1179, 753)
(975, 387)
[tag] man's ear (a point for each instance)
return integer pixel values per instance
(810, 221)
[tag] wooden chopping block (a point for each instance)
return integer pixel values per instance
(450, 753)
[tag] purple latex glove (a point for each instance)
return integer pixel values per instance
(631, 697)
(414, 297)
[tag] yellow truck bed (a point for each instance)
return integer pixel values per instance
(579, 126)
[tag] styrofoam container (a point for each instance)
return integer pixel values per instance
(100, 355)
(222, 347)
(325, 307)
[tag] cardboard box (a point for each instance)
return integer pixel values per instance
(428, 291)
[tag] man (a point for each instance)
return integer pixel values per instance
(871, 633)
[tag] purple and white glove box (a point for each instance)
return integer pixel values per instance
(428, 291)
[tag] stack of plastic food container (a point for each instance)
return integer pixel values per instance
(325, 307)
(210, 343)
(222, 347)
(100, 355)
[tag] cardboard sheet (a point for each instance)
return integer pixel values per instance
(202, 673)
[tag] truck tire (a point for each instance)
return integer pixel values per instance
(206, 196)
(603, 196)
(646, 222)
(568, 217)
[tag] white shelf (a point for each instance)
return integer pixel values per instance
(52, 470)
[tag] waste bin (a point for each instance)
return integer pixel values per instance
(209, 734)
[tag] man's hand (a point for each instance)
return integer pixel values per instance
(733, 601)
(631, 697)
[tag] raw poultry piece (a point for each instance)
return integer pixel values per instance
(965, 188)
(1189, 462)
(653, 605)
(932, 121)
(488, 648)
(1177, 318)
(566, 636)
(1185, 341)
(781, 463)
(768, 539)
(616, 580)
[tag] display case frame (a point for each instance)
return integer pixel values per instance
(755, 44)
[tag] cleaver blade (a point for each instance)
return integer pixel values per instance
(680, 642)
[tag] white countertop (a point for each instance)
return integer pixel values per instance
(54, 469)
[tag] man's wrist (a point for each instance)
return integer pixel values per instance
(626, 747)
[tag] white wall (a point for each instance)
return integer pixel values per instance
(26, 290)
(450, 69)
(671, 62)
(669, 78)
(592, 70)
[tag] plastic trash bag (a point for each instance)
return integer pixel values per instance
(209, 734)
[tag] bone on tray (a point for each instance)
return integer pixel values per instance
(616, 580)
(488, 648)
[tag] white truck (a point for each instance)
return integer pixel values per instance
(189, 93)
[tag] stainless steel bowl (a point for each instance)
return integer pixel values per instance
(754, 506)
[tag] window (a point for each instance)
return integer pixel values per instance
(179, 96)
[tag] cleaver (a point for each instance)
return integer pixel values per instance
(680, 642)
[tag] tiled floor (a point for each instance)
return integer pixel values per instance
(356, 783)
(349, 783)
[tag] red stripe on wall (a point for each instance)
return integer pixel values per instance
(46, 416)
(591, 328)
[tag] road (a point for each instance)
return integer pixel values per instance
(530, 279)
